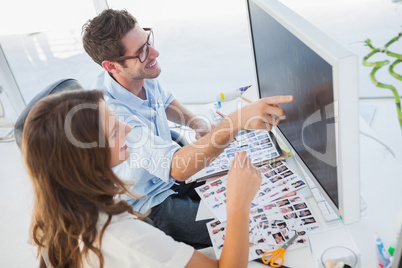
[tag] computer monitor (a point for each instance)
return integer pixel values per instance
(397, 255)
(292, 57)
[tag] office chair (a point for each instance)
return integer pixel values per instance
(179, 138)
(58, 86)
(61, 85)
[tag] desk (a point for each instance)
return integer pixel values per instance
(380, 188)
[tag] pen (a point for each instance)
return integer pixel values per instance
(382, 254)
(225, 96)
(242, 89)
(247, 100)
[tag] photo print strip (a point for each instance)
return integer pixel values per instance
(274, 185)
(259, 145)
(271, 225)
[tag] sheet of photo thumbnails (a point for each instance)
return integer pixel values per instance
(257, 144)
(274, 218)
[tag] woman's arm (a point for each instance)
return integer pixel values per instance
(243, 182)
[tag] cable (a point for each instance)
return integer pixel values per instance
(379, 141)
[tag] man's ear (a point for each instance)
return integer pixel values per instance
(110, 66)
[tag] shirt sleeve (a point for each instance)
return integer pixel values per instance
(150, 152)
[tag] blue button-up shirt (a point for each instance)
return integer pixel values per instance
(149, 142)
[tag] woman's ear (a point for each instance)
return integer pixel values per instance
(110, 66)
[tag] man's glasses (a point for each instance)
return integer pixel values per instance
(144, 50)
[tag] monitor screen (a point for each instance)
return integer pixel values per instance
(285, 65)
(292, 57)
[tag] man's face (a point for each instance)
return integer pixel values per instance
(134, 41)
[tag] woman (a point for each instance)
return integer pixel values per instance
(71, 141)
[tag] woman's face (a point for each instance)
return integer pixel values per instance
(115, 133)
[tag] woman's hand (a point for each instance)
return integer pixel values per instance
(243, 182)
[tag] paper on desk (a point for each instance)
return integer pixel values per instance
(203, 213)
(278, 180)
(270, 226)
(260, 146)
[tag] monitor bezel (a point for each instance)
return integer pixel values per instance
(345, 82)
(397, 255)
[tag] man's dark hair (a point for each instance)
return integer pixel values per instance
(102, 35)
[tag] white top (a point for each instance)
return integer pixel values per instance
(129, 242)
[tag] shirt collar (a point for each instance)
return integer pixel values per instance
(118, 92)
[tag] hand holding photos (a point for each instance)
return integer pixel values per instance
(271, 225)
(278, 180)
(259, 145)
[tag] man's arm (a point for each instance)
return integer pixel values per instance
(263, 114)
(179, 114)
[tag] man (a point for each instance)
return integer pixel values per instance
(157, 166)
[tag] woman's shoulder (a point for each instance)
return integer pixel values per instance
(116, 219)
(127, 227)
(127, 239)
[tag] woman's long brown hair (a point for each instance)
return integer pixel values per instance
(71, 175)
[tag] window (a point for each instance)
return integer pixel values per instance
(204, 45)
(42, 43)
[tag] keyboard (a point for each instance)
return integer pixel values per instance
(328, 213)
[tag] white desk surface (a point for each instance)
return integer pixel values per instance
(381, 184)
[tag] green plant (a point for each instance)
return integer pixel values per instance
(379, 64)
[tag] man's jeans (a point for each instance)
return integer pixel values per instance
(176, 216)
